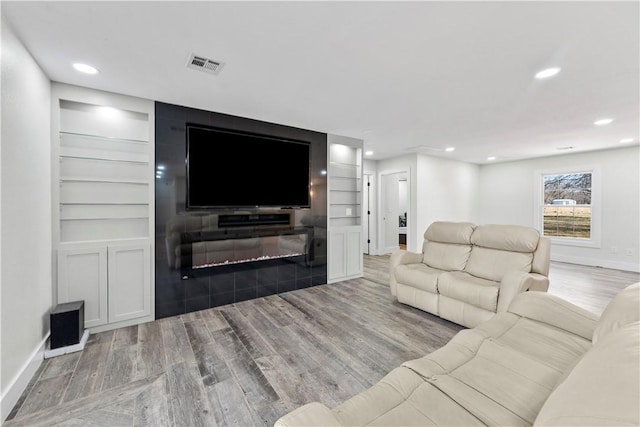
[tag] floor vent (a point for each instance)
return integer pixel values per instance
(207, 65)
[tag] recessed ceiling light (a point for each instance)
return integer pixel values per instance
(368, 153)
(626, 140)
(602, 122)
(547, 72)
(491, 158)
(160, 167)
(84, 68)
(450, 149)
(323, 172)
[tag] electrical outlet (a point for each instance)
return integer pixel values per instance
(614, 249)
(348, 211)
(629, 252)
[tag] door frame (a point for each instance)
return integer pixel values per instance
(366, 213)
(380, 250)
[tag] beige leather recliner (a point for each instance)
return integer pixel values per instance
(466, 273)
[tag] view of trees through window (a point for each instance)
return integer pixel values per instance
(567, 205)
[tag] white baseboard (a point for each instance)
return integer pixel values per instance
(49, 353)
(20, 382)
(614, 265)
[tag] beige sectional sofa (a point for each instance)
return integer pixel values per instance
(541, 362)
(466, 273)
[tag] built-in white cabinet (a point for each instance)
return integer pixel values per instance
(113, 280)
(82, 275)
(345, 253)
(344, 196)
(129, 279)
(103, 204)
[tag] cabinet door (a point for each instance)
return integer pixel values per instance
(337, 254)
(82, 275)
(354, 251)
(129, 281)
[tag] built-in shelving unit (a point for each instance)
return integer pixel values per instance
(103, 196)
(344, 179)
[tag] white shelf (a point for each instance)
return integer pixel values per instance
(104, 138)
(108, 180)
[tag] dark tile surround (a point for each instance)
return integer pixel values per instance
(183, 290)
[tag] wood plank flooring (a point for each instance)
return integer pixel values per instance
(247, 364)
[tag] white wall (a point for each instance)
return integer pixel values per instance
(507, 195)
(447, 191)
(439, 189)
(25, 188)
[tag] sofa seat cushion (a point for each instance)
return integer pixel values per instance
(603, 388)
(504, 370)
(403, 398)
(419, 276)
(464, 287)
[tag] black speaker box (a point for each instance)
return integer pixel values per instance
(67, 324)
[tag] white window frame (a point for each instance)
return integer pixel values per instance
(596, 204)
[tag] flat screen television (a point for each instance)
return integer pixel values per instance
(229, 169)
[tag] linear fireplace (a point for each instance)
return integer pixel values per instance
(207, 249)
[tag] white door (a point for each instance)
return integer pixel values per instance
(129, 281)
(337, 253)
(390, 212)
(366, 214)
(82, 276)
(354, 251)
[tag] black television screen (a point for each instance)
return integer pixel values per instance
(228, 169)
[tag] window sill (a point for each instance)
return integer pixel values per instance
(567, 241)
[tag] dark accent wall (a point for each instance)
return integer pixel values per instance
(181, 289)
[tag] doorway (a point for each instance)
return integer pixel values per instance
(403, 195)
(395, 209)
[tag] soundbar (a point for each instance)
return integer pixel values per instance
(251, 220)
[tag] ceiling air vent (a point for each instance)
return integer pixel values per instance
(422, 148)
(207, 65)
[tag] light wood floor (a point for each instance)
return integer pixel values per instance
(249, 363)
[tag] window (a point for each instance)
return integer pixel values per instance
(566, 209)
(567, 205)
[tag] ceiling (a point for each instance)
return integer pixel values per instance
(405, 77)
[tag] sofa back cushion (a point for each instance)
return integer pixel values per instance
(493, 264)
(498, 249)
(445, 256)
(511, 238)
(450, 232)
(602, 389)
(447, 245)
(623, 309)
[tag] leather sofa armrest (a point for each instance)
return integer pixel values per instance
(311, 414)
(517, 282)
(555, 311)
(400, 257)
